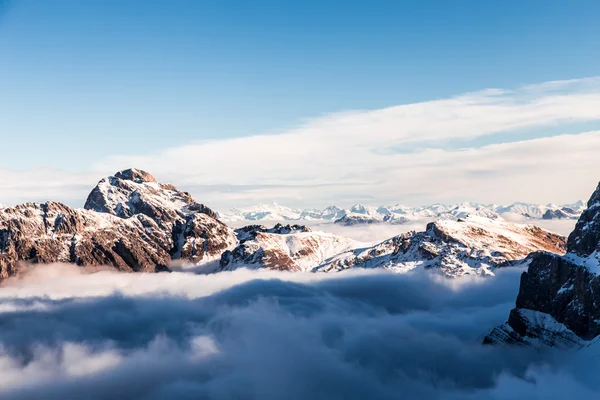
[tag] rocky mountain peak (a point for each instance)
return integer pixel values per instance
(130, 222)
(585, 238)
(133, 191)
(453, 247)
(135, 175)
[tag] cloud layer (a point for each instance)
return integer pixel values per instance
(261, 335)
(470, 147)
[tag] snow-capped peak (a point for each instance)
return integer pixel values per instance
(267, 211)
(398, 213)
(453, 247)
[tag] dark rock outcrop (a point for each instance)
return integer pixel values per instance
(585, 238)
(565, 290)
(283, 248)
(249, 232)
(533, 328)
(350, 220)
(561, 213)
(130, 222)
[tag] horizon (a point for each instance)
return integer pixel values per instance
(341, 205)
(274, 203)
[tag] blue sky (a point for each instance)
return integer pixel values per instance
(84, 81)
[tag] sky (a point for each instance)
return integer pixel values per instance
(307, 103)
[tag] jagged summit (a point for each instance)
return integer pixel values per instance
(136, 175)
(585, 238)
(134, 191)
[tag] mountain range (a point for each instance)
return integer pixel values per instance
(473, 245)
(399, 214)
(133, 223)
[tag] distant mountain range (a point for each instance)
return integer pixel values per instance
(399, 214)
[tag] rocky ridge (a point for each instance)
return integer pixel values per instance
(473, 245)
(559, 296)
(129, 221)
(284, 247)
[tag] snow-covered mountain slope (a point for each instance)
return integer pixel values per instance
(197, 235)
(267, 212)
(402, 216)
(399, 214)
(351, 219)
(474, 245)
(548, 211)
(283, 247)
(130, 222)
(565, 289)
(330, 213)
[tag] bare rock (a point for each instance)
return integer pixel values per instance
(565, 288)
(130, 222)
(283, 248)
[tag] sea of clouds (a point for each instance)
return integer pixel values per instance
(70, 333)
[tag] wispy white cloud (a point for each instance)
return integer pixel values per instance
(404, 153)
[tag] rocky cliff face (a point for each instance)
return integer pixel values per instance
(130, 221)
(357, 219)
(584, 241)
(194, 230)
(563, 290)
(251, 231)
(474, 245)
(283, 247)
